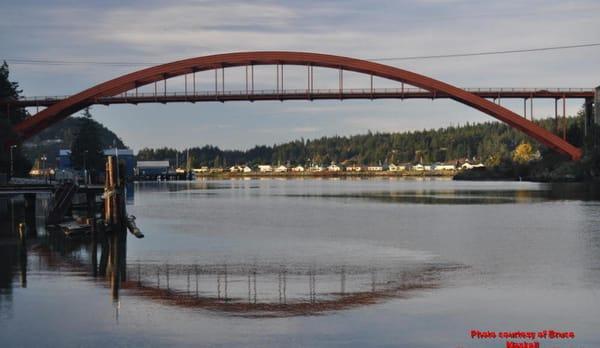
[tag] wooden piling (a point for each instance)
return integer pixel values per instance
(23, 253)
(91, 205)
(115, 220)
(30, 200)
(102, 267)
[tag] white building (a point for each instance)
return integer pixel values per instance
(419, 167)
(396, 168)
(247, 169)
(281, 169)
(315, 168)
(374, 168)
(354, 168)
(235, 169)
(334, 168)
(265, 168)
(443, 167)
(468, 165)
(203, 169)
(298, 168)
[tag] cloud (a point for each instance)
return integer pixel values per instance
(161, 31)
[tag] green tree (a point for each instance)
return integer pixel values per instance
(86, 151)
(8, 118)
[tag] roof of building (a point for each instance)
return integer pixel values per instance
(120, 152)
(152, 164)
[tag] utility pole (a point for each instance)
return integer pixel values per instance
(85, 174)
(188, 164)
(12, 167)
(44, 158)
(596, 118)
(597, 106)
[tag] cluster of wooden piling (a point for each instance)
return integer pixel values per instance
(115, 222)
(107, 228)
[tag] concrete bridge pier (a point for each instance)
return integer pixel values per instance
(592, 118)
(588, 117)
(597, 106)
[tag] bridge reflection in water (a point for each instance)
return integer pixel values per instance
(246, 290)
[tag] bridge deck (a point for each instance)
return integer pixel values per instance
(316, 94)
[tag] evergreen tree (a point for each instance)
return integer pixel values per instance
(86, 151)
(8, 118)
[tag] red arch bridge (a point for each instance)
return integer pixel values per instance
(150, 86)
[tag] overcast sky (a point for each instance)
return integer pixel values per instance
(162, 31)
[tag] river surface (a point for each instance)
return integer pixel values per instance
(309, 262)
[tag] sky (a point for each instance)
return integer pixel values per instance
(150, 31)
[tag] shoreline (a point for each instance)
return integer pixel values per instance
(227, 175)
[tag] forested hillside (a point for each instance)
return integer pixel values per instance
(482, 141)
(62, 135)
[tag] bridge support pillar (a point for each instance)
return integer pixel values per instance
(589, 121)
(597, 106)
(592, 118)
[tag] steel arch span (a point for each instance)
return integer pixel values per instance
(79, 101)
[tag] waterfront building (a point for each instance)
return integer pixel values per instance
(334, 168)
(63, 160)
(374, 168)
(246, 169)
(315, 168)
(203, 169)
(281, 169)
(298, 168)
(152, 168)
(265, 168)
(444, 167)
(354, 168)
(397, 168)
(125, 156)
(468, 165)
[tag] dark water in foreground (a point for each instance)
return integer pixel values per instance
(381, 262)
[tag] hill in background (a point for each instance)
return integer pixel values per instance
(61, 136)
(483, 141)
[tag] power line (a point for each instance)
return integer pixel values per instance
(34, 61)
(489, 53)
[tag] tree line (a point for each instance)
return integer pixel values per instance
(10, 90)
(490, 141)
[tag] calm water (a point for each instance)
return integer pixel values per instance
(381, 262)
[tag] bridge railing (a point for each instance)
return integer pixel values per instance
(346, 91)
(406, 90)
(274, 92)
(44, 98)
